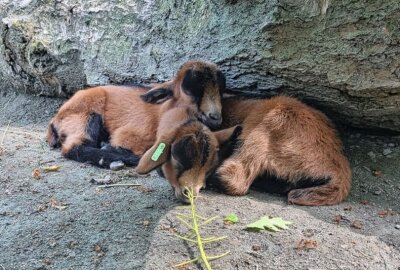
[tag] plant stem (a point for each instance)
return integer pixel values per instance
(186, 262)
(196, 230)
(211, 258)
(118, 185)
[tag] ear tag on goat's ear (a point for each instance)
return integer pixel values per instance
(160, 149)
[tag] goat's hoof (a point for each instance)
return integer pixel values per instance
(117, 165)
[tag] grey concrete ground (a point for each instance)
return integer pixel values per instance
(62, 221)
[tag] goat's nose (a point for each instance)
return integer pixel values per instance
(214, 116)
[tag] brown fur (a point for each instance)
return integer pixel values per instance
(281, 136)
(187, 141)
(127, 114)
(290, 140)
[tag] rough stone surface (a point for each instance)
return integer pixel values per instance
(342, 56)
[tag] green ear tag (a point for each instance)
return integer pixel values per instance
(160, 149)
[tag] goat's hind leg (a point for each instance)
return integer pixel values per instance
(89, 150)
(332, 190)
(102, 157)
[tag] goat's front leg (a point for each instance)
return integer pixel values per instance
(237, 174)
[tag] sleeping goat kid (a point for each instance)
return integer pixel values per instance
(129, 116)
(185, 150)
(287, 147)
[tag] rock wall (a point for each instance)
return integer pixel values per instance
(342, 56)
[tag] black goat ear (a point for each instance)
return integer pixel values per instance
(228, 141)
(228, 134)
(157, 96)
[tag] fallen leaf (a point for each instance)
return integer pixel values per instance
(170, 229)
(337, 219)
(308, 233)
(41, 208)
(56, 204)
(46, 261)
(52, 168)
(72, 244)
(356, 224)
(98, 248)
(103, 181)
(272, 224)
(256, 248)
(376, 172)
(385, 213)
(307, 244)
(348, 208)
(128, 173)
(231, 219)
(146, 222)
(19, 146)
(36, 174)
(144, 189)
(183, 267)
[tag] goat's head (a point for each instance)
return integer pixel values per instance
(189, 153)
(198, 82)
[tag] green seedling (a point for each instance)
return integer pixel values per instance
(194, 222)
(231, 218)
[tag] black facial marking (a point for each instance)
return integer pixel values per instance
(96, 130)
(204, 147)
(102, 157)
(184, 152)
(157, 96)
(193, 85)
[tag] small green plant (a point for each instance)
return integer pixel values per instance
(231, 218)
(194, 222)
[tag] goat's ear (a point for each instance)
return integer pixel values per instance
(228, 134)
(157, 155)
(157, 96)
(228, 141)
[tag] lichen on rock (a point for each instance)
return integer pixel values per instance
(342, 56)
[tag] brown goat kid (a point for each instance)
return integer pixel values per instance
(128, 117)
(280, 144)
(287, 147)
(189, 150)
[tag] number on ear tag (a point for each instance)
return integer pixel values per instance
(160, 149)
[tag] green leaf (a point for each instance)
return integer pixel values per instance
(272, 224)
(233, 218)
